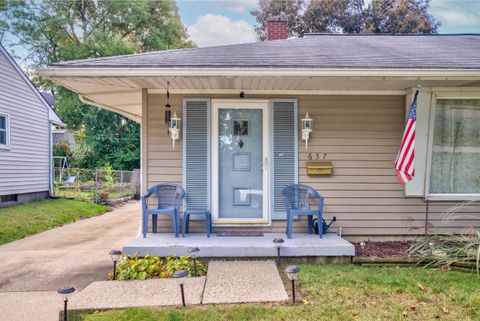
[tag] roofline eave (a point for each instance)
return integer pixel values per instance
(433, 73)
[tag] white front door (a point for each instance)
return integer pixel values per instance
(240, 162)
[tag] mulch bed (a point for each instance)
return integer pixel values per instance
(383, 249)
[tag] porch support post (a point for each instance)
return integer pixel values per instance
(144, 142)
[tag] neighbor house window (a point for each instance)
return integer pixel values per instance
(455, 163)
(4, 131)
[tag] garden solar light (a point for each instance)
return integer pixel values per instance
(65, 291)
(115, 255)
(194, 256)
(340, 231)
(278, 244)
(292, 271)
(362, 245)
(431, 244)
(180, 274)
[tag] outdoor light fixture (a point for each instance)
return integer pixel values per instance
(340, 231)
(66, 291)
(194, 256)
(307, 128)
(115, 255)
(168, 107)
(431, 244)
(292, 271)
(278, 244)
(180, 274)
(174, 129)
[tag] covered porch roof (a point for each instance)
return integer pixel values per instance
(319, 64)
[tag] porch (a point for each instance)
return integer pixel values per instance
(301, 245)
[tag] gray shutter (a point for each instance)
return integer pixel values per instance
(196, 151)
(285, 152)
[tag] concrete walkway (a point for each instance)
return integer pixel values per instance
(243, 281)
(75, 254)
(226, 282)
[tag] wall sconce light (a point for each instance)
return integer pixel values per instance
(174, 129)
(307, 128)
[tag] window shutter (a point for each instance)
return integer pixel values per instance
(285, 152)
(196, 151)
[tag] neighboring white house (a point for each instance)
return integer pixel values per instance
(25, 136)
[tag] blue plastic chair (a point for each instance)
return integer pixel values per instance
(196, 211)
(169, 200)
(297, 202)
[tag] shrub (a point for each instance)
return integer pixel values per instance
(151, 267)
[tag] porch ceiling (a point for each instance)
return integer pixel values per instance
(123, 94)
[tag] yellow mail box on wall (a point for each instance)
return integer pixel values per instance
(319, 168)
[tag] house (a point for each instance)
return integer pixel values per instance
(26, 121)
(241, 108)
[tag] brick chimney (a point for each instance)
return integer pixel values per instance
(277, 28)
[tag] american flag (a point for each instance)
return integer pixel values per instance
(404, 164)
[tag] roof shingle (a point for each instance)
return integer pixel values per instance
(314, 51)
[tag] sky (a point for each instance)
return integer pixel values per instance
(221, 22)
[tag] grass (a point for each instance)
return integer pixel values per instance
(23, 220)
(342, 292)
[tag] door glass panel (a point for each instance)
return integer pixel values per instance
(240, 157)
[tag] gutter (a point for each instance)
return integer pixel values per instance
(414, 73)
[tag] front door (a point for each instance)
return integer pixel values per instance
(240, 162)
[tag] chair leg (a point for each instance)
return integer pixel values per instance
(320, 224)
(310, 224)
(154, 223)
(176, 224)
(207, 224)
(184, 224)
(144, 225)
(289, 226)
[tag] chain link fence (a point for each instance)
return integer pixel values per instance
(97, 185)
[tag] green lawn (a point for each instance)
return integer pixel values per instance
(342, 292)
(19, 221)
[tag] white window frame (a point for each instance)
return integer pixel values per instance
(7, 130)
(451, 94)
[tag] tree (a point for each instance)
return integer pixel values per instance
(348, 16)
(59, 30)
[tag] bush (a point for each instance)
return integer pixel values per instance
(152, 267)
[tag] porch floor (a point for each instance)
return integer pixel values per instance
(301, 244)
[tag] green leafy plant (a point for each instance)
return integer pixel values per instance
(176, 263)
(135, 268)
(150, 267)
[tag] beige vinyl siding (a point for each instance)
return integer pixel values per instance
(24, 167)
(360, 135)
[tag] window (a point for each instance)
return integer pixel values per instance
(455, 162)
(4, 131)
